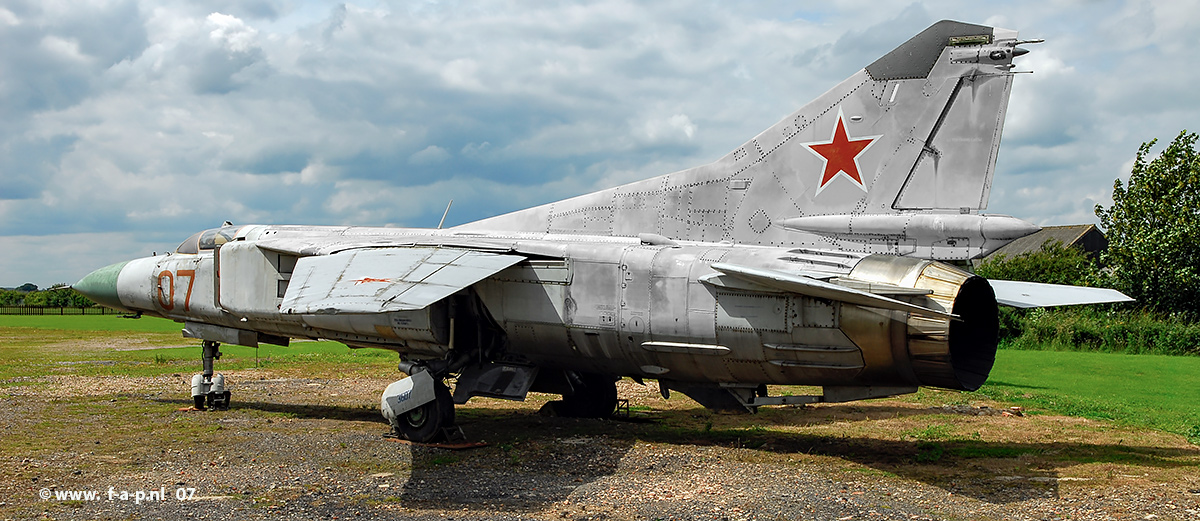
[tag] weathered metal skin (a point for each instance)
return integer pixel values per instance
(942, 353)
(622, 307)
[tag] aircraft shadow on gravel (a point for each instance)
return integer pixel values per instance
(306, 411)
(529, 455)
(591, 449)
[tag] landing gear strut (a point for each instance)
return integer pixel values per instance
(595, 396)
(208, 389)
(420, 407)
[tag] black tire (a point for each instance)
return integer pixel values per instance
(198, 402)
(596, 398)
(425, 423)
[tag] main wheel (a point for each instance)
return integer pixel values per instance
(425, 423)
(596, 398)
(220, 401)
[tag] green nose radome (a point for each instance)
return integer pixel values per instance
(101, 286)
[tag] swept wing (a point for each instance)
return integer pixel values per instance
(387, 279)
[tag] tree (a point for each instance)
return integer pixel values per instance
(1053, 263)
(63, 296)
(1153, 229)
(11, 297)
(36, 299)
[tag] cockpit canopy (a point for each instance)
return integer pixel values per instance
(208, 240)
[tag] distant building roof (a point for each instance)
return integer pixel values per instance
(1085, 236)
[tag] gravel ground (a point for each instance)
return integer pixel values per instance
(297, 448)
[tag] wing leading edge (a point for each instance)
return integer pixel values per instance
(386, 280)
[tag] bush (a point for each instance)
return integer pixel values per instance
(1097, 329)
(1053, 263)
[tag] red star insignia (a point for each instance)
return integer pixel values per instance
(840, 154)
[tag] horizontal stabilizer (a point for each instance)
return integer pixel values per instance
(385, 280)
(815, 288)
(1038, 295)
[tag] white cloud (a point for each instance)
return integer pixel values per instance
(677, 127)
(8, 18)
(476, 149)
(63, 48)
(430, 155)
(231, 32)
(317, 173)
(462, 74)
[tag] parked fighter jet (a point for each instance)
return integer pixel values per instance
(809, 255)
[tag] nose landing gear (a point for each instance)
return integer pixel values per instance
(208, 389)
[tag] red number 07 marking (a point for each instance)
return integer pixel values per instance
(166, 297)
(187, 298)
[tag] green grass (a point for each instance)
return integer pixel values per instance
(935, 432)
(91, 323)
(39, 345)
(1154, 391)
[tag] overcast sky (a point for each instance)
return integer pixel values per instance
(126, 126)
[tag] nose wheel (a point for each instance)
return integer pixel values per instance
(208, 389)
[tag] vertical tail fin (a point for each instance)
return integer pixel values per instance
(915, 132)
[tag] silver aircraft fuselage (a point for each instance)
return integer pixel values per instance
(607, 305)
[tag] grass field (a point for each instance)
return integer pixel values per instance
(106, 345)
(1159, 392)
(1150, 391)
(90, 323)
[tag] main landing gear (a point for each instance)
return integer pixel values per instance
(430, 421)
(593, 396)
(208, 389)
(420, 407)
